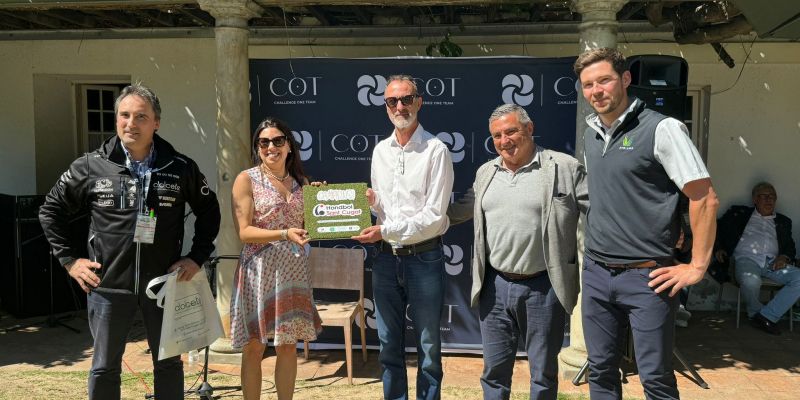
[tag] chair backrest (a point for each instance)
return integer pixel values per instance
(336, 268)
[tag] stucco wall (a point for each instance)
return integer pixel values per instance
(758, 110)
(180, 70)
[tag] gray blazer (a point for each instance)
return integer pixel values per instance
(565, 198)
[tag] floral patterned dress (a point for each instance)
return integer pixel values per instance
(272, 295)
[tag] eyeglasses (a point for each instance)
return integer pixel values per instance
(767, 196)
(406, 100)
(276, 141)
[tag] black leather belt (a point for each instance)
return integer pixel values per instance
(410, 249)
(518, 277)
(641, 264)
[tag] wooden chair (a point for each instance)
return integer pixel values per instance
(340, 269)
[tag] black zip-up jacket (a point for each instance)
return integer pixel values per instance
(99, 183)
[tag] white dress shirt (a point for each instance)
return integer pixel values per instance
(759, 241)
(412, 184)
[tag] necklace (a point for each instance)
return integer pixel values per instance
(267, 172)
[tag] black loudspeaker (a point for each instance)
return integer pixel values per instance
(30, 277)
(660, 81)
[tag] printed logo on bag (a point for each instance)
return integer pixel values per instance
(186, 304)
(566, 90)
(454, 259)
(455, 143)
(518, 89)
(305, 143)
(370, 90)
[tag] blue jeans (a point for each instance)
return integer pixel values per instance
(613, 300)
(415, 282)
(749, 275)
(111, 315)
(514, 311)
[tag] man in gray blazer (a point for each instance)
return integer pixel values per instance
(526, 205)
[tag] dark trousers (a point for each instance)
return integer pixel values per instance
(111, 316)
(514, 311)
(613, 300)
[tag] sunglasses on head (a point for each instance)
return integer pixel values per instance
(406, 100)
(276, 141)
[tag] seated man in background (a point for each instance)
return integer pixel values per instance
(761, 244)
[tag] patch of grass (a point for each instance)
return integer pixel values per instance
(42, 384)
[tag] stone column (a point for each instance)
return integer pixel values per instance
(598, 29)
(233, 133)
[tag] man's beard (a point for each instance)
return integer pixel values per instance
(403, 122)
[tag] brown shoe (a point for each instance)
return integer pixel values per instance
(761, 322)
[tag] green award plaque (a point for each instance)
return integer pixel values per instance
(335, 211)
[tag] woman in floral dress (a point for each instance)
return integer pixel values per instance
(272, 296)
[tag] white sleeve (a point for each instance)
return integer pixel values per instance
(677, 154)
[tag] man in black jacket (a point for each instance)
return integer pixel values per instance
(761, 244)
(134, 188)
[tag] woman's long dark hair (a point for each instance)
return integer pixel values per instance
(293, 163)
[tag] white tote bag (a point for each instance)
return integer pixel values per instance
(191, 319)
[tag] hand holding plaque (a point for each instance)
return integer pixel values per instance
(335, 211)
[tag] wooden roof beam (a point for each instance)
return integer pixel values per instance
(37, 19)
(321, 15)
(159, 19)
(199, 17)
(73, 17)
(116, 17)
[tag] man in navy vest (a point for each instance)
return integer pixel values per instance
(638, 162)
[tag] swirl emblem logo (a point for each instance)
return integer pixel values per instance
(454, 259)
(369, 315)
(370, 90)
(455, 143)
(518, 89)
(304, 142)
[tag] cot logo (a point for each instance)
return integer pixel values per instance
(518, 89)
(296, 86)
(369, 311)
(455, 143)
(341, 143)
(454, 259)
(304, 142)
(370, 90)
(566, 86)
(488, 145)
(437, 87)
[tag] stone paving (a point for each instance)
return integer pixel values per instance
(737, 364)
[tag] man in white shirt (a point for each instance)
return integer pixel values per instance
(762, 246)
(412, 179)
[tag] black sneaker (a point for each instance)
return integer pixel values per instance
(761, 322)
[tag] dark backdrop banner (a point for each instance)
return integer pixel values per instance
(336, 112)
